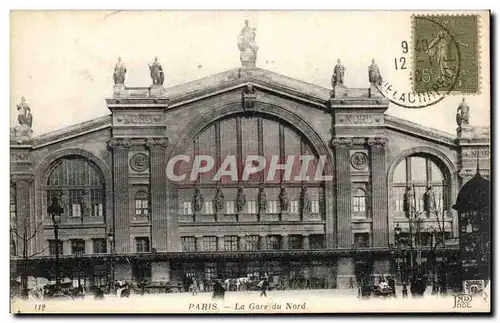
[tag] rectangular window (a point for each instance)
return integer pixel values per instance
(96, 200)
(251, 243)
(142, 244)
(359, 204)
(230, 207)
(187, 210)
(141, 207)
(99, 245)
(188, 244)
(251, 207)
(295, 241)
(362, 240)
(75, 202)
(317, 241)
(231, 243)
(208, 208)
(53, 247)
(294, 207)
(272, 207)
(78, 247)
(209, 243)
(273, 242)
(315, 207)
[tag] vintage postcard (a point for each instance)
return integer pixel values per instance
(251, 162)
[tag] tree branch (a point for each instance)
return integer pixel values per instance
(37, 253)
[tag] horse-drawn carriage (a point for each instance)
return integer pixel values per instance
(380, 290)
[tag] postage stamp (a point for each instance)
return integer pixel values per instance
(446, 53)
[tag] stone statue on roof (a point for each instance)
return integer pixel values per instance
(246, 39)
(338, 75)
(156, 71)
(120, 71)
(374, 74)
(463, 114)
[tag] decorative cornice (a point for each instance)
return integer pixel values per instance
(341, 142)
(116, 142)
(25, 177)
(157, 141)
(375, 142)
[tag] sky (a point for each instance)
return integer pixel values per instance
(62, 61)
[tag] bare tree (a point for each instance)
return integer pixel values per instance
(24, 234)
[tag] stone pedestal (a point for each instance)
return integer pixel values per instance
(157, 91)
(160, 271)
(248, 60)
(339, 91)
(374, 92)
(22, 134)
(465, 131)
(119, 90)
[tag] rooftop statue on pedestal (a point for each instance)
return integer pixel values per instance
(374, 74)
(23, 131)
(246, 40)
(338, 75)
(156, 71)
(463, 114)
(120, 71)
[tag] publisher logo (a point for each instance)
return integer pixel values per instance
(462, 301)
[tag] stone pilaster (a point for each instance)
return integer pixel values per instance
(379, 192)
(121, 199)
(199, 243)
(241, 242)
(220, 242)
(284, 241)
(161, 216)
(305, 241)
(24, 225)
(262, 242)
(341, 148)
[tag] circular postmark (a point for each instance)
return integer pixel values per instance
(436, 65)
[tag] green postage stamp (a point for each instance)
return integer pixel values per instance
(446, 53)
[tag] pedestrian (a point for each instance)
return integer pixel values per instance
(194, 286)
(351, 283)
(404, 292)
(392, 285)
(264, 287)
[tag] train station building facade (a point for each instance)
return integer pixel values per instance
(122, 206)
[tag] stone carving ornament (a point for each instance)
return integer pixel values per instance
(246, 39)
(262, 198)
(218, 200)
(139, 162)
(241, 200)
(284, 200)
(197, 200)
(305, 201)
(359, 160)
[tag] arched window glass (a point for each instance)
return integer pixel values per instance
(79, 186)
(142, 203)
(423, 175)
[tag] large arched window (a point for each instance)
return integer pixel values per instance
(263, 197)
(79, 185)
(421, 173)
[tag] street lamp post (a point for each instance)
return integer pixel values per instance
(55, 210)
(112, 262)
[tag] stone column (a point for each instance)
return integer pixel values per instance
(121, 199)
(284, 241)
(305, 241)
(161, 216)
(23, 223)
(379, 192)
(262, 242)
(220, 242)
(341, 148)
(199, 243)
(89, 246)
